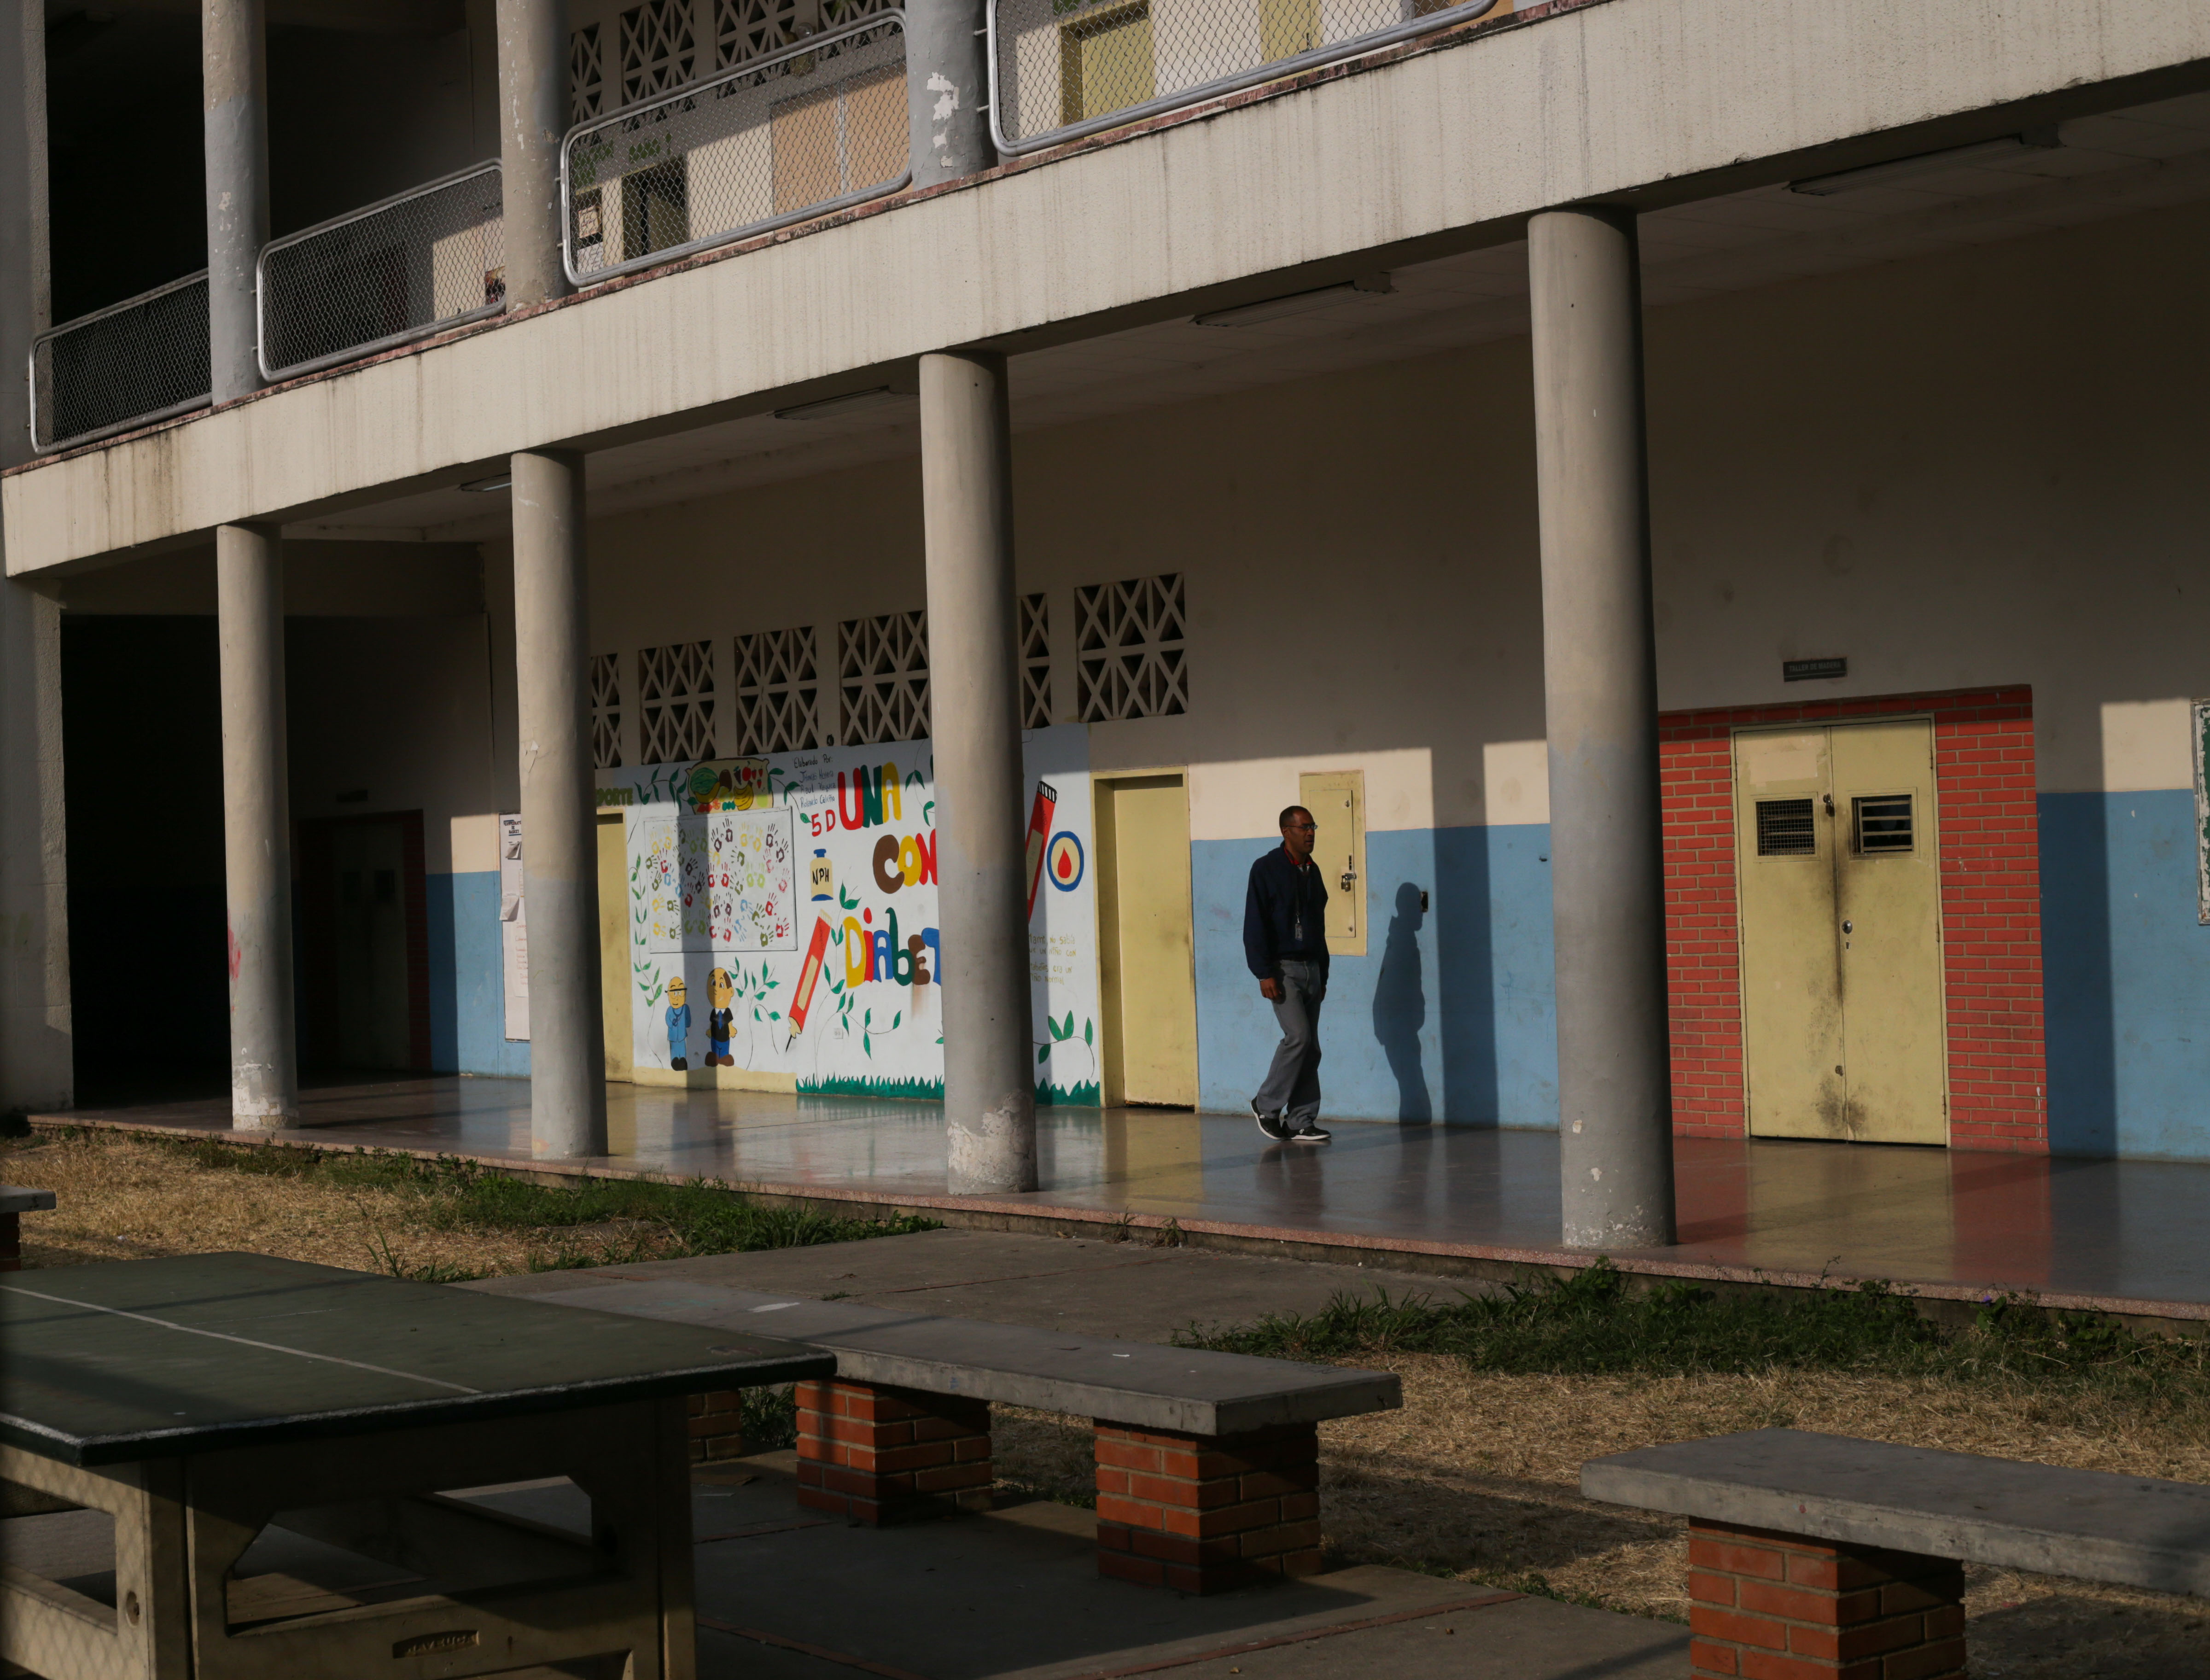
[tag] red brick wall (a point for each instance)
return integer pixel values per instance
(1990, 909)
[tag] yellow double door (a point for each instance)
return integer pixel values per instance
(1838, 864)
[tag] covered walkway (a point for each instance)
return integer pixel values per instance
(2129, 1236)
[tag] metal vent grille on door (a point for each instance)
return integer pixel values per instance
(675, 685)
(1785, 829)
(1131, 637)
(1883, 824)
(778, 693)
(1036, 663)
(882, 668)
(606, 711)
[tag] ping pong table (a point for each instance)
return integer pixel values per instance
(281, 1449)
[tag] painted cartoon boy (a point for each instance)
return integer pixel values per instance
(720, 989)
(678, 1023)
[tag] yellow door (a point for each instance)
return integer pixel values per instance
(1889, 896)
(1287, 27)
(613, 945)
(1337, 800)
(1146, 957)
(1105, 62)
(1841, 962)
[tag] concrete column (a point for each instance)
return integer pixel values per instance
(1600, 692)
(256, 824)
(36, 1062)
(533, 110)
(234, 71)
(981, 821)
(560, 849)
(947, 83)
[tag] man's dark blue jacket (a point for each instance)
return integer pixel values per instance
(1281, 897)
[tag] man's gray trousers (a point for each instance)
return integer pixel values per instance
(1291, 1088)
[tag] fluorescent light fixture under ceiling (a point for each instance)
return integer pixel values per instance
(496, 481)
(828, 407)
(1929, 163)
(1295, 303)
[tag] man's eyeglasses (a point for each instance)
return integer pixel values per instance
(1303, 828)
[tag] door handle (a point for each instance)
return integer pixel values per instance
(1849, 926)
(1350, 879)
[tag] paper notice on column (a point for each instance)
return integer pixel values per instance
(513, 929)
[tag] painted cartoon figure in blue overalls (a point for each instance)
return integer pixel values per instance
(678, 1023)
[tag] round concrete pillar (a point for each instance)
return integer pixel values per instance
(264, 1080)
(1600, 693)
(947, 80)
(559, 851)
(967, 507)
(234, 88)
(532, 110)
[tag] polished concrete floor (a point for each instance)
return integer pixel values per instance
(2106, 1232)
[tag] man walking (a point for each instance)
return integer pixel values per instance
(1285, 943)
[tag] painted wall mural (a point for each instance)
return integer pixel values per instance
(794, 898)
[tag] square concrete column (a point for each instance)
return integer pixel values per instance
(981, 819)
(560, 849)
(1600, 697)
(234, 72)
(533, 115)
(36, 1059)
(256, 819)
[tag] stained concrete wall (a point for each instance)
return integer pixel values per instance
(1445, 149)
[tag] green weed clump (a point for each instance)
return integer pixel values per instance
(663, 1221)
(1592, 1323)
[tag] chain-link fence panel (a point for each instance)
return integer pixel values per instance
(1063, 68)
(430, 259)
(128, 365)
(807, 131)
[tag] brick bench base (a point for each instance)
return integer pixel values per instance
(879, 1455)
(1201, 1514)
(1771, 1606)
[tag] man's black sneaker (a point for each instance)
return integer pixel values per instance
(1269, 1124)
(1311, 1134)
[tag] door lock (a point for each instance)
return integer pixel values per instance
(1849, 926)
(1829, 798)
(1350, 879)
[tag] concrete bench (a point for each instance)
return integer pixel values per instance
(1207, 1464)
(1819, 1555)
(15, 1202)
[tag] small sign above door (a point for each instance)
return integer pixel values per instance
(1809, 670)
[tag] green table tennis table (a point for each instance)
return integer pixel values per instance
(279, 1446)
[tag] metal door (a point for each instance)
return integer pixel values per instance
(1840, 895)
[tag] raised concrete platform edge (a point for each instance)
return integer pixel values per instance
(1190, 1391)
(2084, 1524)
(16, 1199)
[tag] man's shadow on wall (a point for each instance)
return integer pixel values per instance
(1400, 1007)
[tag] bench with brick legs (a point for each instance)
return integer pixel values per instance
(1207, 1463)
(15, 1202)
(1820, 1558)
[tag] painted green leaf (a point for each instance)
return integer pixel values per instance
(895, 1018)
(1042, 1050)
(1089, 1032)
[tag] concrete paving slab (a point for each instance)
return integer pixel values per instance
(1130, 1289)
(1138, 1383)
(2089, 1524)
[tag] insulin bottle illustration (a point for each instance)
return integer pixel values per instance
(825, 877)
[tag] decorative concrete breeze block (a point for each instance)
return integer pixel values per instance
(1765, 1606)
(880, 1454)
(1201, 1514)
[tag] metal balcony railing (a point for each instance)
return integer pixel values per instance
(1063, 68)
(813, 128)
(416, 263)
(128, 365)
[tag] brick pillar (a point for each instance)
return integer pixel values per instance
(1201, 1514)
(1770, 1606)
(718, 1425)
(878, 1454)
